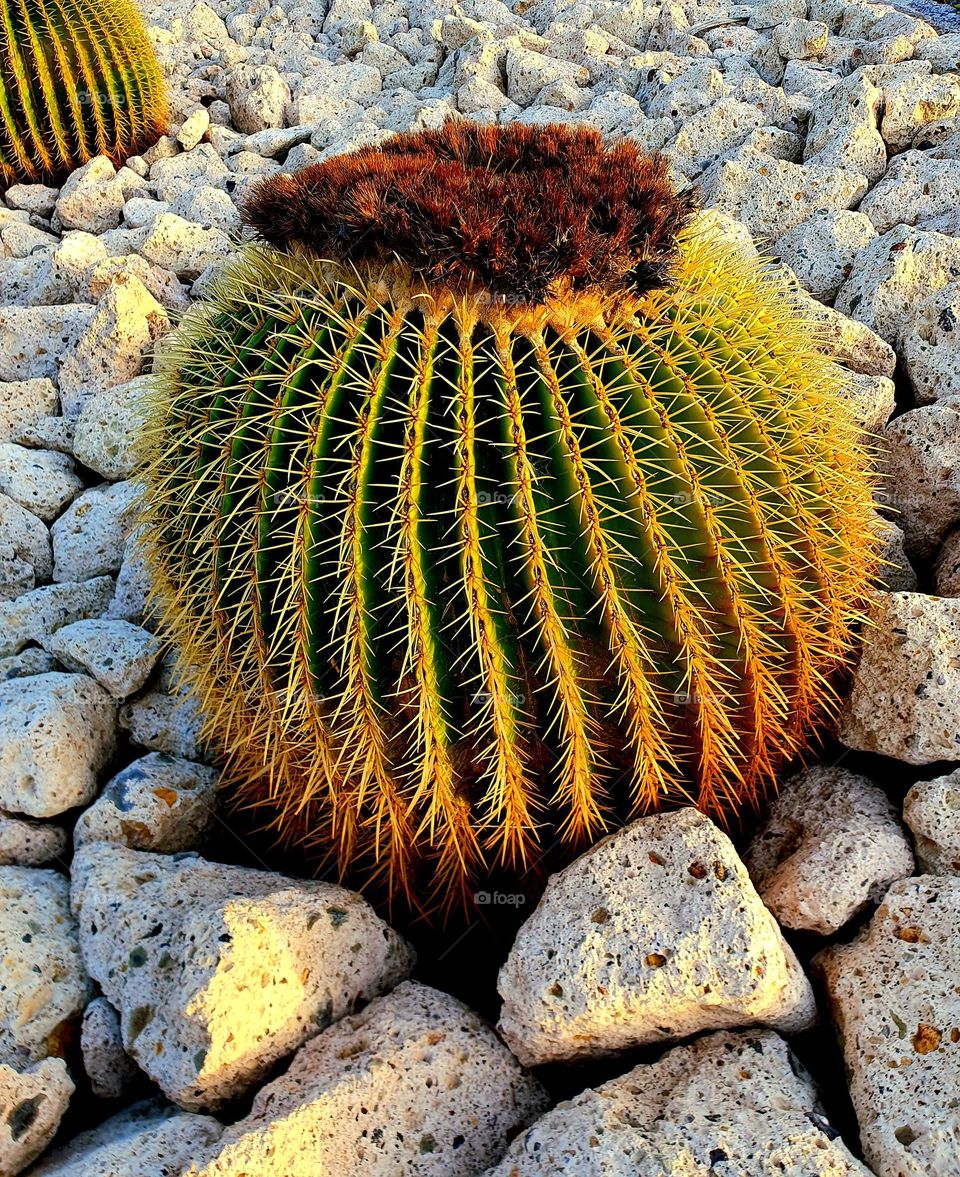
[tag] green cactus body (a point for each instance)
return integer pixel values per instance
(457, 581)
(78, 78)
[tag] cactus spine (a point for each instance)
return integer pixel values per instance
(78, 78)
(456, 579)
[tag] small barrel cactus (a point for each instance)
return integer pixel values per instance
(78, 78)
(489, 505)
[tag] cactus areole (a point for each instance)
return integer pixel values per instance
(490, 506)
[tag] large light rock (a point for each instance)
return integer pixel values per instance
(45, 986)
(737, 1104)
(89, 537)
(946, 570)
(92, 198)
(27, 534)
(415, 1084)
(895, 275)
(185, 249)
(931, 347)
(218, 972)
(913, 97)
(128, 322)
(258, 97)
(844, 128)
(57, 731)
(896, 1003)
(159, 802)
(771, 196)
(830, 847)
(120, 656)
(32, 1104)
(41, 481)
(822, 249)
(29, 843)
(112, 1072)
(916, 188)
(34, 340)
(922, 473)
(932, 811)
(38, 613)
(905, 698)
(25, 403)
(654, 934)
(149, 1139)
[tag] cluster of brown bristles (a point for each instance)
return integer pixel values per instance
(514, 210)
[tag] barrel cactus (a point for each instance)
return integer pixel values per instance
(78, 78)
(489, 505)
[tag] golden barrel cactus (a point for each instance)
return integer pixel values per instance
(489, 506)
(78, 78)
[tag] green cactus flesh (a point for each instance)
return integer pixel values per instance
(455, 588)
(78, 78)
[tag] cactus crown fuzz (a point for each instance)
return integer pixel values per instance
(521, 213)
(495, 507)
(78, 78)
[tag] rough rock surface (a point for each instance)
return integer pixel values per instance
(894, 997)
(416, 1083)
(905, 699)
(922, 473)
(148, 1139)
(932, 811)
(654, 934)
(219, 971)
(737, 1104)
(830, 846)
(32, 1103)
(45, 986)
(111, 1071)
(29, 843)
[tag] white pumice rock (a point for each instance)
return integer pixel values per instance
(41, 481)
(163, 720)
(915, 189)
(830, 847)
(34, 340)
(133, 584)
(45, 986)
(932, 811)
(931, 347)
(61, 273)
(822, 249)
(16, 575)
(148, 1139)
(27, 535)
(39, 199)
(108, 428)
(895, 275)
(120, 656)
(711, 222)
(182, 174)
(897, 574)
(141, 210)
(527, 72)
(942, 52)
(922, 473)
(844, 128)
(771, 196)
(160, 803)
(30, 843)
(32, 1103)
(211, 207)
(708, 134)
(193, 128)
(219, 972)
(905, 698)
(183, 248)
(57, 731)
(872, 398)
(740, 1104)
(893, 995)
(163, 285)
(25, 402)
(258, 96)
(91, 198)
(654, 934)
(45, 609)
(946, 570)
(416, 1083)
(913, 98)
(111, 1071)
(89, 537)
(798, 38)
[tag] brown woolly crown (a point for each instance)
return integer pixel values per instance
(521, 212)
